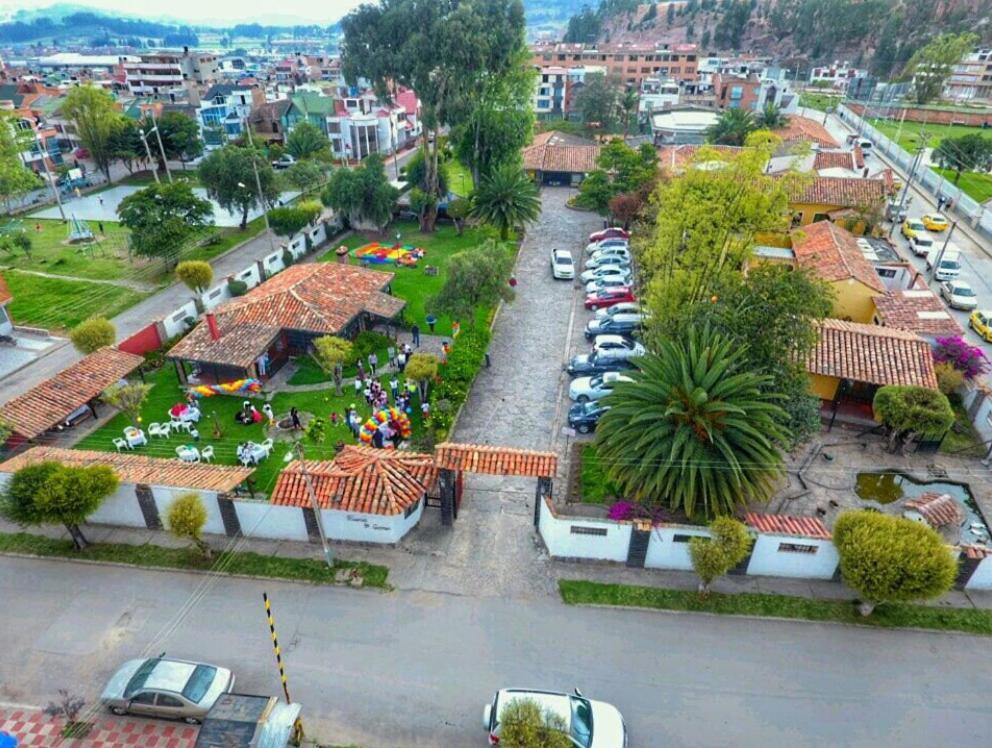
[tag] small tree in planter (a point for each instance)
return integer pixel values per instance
(128, 399)
(196, 274)
(909, 412)
(330, 352)
(888, 559)
(727, 546)
(186, 519)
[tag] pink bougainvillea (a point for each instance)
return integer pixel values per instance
(967, 359)
(622, 510)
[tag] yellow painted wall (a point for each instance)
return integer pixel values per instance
(808, 211)
(823, 387)
(853, 301)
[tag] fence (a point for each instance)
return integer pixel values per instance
(966, 208)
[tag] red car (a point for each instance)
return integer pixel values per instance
(605, 297)
(614, 232)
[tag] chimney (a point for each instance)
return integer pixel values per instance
(212, 324)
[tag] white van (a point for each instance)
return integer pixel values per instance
(950, 262)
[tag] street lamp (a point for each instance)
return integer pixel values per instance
(151, 160)
(161, 148)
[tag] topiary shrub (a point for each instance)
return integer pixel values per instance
(237, 287)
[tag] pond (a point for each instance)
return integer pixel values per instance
(888, 487)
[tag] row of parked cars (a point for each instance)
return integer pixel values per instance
(607, 278)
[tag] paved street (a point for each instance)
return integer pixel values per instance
(415, 668)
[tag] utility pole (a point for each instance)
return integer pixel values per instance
(43, 147)
(161, 148)
(940, 255)
(314, 504)
(151, 160)
(258, 184)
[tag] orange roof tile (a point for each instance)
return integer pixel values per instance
(781, 524)
(917, 310)
(360, 479)
(5, 294)
(977, 552)
(575, 159)
(835, 160)
(136, 468)
(496, 460)
(806, 130)
(938, 509)
(51, 402)
(844, 192)
(872, 354)
(833, 254)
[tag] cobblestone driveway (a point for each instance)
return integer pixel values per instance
(493, 549)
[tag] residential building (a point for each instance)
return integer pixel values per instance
(74, 63)
(681, 125)
(166, 74)
(550, 92)
(554, 158)
(626, 62)
(838, 198)
(223, 111)
(752, 92)
(971, 79)
(655, 94)
(267, 120)
(918, 310)
(838, 75)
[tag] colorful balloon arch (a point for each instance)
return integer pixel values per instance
(237, 387)
(397, 420)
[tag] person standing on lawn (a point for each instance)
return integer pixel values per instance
(361, 370)
(373, 363)
(394, 386)
(415, 333)
(401, 360)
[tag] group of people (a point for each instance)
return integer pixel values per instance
(249, 413)
(398, 358)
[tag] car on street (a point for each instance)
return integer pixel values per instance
(935, 222)
(583, 417)
(584, 389)
(617, 324)
(616, 346)
(598, 261)
(166, 688)
(948, 262)
(611, 232)
(981, 322)
(911, 226)
(562, 267)
(589, 724)
(607, 297)
(587, 364)
(609, 282)
(607, 271)
(594, 247)
(283, 162)
(959, 295)
(921, 242)
(626, 307)
(615, 253)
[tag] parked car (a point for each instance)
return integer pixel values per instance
(606, 271)
(981, 322)
(562, 267)
(606, 297)
(609, 282)
(616, 346)
(613, 232)
(921, 242)
(948, 262)
(583, 417)
(617, 324)
(606, 243)
(587, 364)
(911, 226)
(584, 389)
(283, 162)
(590, 724)
(599, 261)
(626, 307)
(935, 222)
(166, 688)
(614, 250)
(959, 295)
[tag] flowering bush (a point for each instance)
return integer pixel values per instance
(622, 510)
(966, 358)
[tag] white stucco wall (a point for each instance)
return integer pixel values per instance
(250, 276)
(120, 508)
(359, 527)
(768, 560)
(260, 519)
(175, 323)
(215, 296)
(569, 537)
(664, 552)
(981, 579)
(273, 263)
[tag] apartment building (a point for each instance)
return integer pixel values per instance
(752, 92)
(839, 75)
(166, 74)
(550, 92)
(223, 110)
(971, 79)
(627, 62)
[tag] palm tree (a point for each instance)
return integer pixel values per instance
(506, 198)
(732, 128)
(692, 430)
(771, 117)
(628, 104)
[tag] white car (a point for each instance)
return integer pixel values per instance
(921, 243)
(584, 389)
(605, 244)
(613, 281)
(959, 295)
(627, 307)
(599, 259)
(607, 271)
(616, 346)
(590, 724)
(562, 266)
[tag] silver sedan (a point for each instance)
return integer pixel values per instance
(171, 689)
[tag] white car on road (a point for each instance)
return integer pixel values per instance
(562, 266)
(607, 271)
(616, 346)
(589, 724)
(584, 389)
(959, 295)
(626, 307)
(605, 244)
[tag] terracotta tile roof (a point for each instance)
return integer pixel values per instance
(938, 509)
(835, 160)
(575, 159)
(50, 402)
(917, 310)
(872, 354)
(5, 294)
(320, 298)
(844, 192)
(360, 479)
(136, 468)
(977, 552)
(781, 524)
(676, 157)
(806, 130)
(833, 254)
(496, 460)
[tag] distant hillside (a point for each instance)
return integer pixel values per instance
(880, 34)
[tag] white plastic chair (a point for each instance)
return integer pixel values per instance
(266, 446)
(121, 444)
(162, 430)
(207, 453)
(183, 425)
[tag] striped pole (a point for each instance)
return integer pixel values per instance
(298, 727)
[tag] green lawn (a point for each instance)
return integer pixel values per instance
(963, 439)
(58, 304)
(221, 410)
(970, 620)
(910, 133)
(821, 101)
(596, 488)
(51, 252)
(237, 562)
(459, 178)
(977, 186)
(413, 284)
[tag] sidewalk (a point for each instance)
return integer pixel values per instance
(33, 728)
